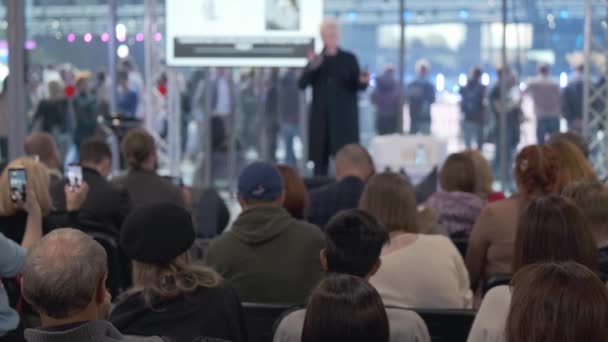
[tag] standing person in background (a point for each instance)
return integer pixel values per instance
(127, 99)
(386, 99)
(223, 101)
(572, 100)
(335, 78)
(271, 117)
(85, 109)
(546, 96)
(289, 107)
(249, 109)
(473, 109)
(421, 95)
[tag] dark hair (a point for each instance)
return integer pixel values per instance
(458, 173)
(296, 195)
(557, 302)
(354, 242)
(137, 147)
(553, 229)
(544, 69)
(345, 308)
(94, 150)
(41, 144)
(536, 170)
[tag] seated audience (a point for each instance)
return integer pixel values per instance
(558, 302)
(211, 215)
(12, 258)
(354, 243)
(490, 250)
(345, 308)
(64, 281)
(551, 229)
(42, 146)
(572, 164)
(573, 138)
(14, 217)
(592, 198)
(484, 177)
(457, 205)
(172, 296)
(354, 166)
(106, 204)
(267, 255)
(441, 280)
(296, 195)
(145, 186)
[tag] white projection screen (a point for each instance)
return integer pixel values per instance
(235, 33)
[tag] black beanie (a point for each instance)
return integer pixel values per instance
(157, 233)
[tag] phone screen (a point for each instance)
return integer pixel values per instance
(74, 175)
(17, 179)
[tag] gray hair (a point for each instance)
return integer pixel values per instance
(62, 272)
(355, 156)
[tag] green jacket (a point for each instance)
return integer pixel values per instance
(269, 257)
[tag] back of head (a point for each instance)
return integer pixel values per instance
(62, 273)
(573, 138)
(557, 302)
(37, 180)
(354, 160)
(458, 174)
(423, 67)
(42, 145)
(354, 241)
(572, 164)
(483, 173)
(544, 69)
(94, 151)
(536, 170)
(137, 147)
(345, 308)
(296, 194)
(260, 183)
(592, 198)
(476, 74)
(391, 199)
(553, 229)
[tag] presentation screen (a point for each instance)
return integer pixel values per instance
(242, 32)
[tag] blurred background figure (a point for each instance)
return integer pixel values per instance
(472, 106)
(420, 96)
(289, 108)
(572, 100)
(126, 98)
(386, 100)
(545, 93)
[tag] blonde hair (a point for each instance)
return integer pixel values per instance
(37, 180)
(180, 276)
(572, 164)
(483, 174)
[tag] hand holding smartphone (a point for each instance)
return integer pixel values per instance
(74, 176)
(17, 178)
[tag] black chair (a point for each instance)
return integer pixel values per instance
(262, 318)
(448, 325)
(495, 280)
(462, 243)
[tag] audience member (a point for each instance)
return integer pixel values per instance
(490, 249)
(345, 308)
(457, 205)
(211, 215)
(42, 146)
(484, 177)
(106, 204)
(572, 164)
(64, 281)
(574, 138)
(296, 195)
(171, 296)
(14, 217)
(551, 229)
(558, 302)
(354, 166)
(354, 243)
(268, 256)
(441, 279)
(592, 198)
(145, 186)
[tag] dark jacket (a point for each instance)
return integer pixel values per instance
(334, 120)
(53, 114)
(289, 98)
(93, 331)
(472, 102)
(86, 109)
(269, 257)
(420, 96)
(13, 227)
(207, 312)
(327, 201)
(572, 100)
(386, 95)
(105, 204)
(146, 187)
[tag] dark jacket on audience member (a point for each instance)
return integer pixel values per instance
(105, 204)
(13, 226)
(207, 312)
(269, 257)
(327, 201)
(147, 187)
(93, 331)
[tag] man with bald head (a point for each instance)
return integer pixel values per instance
(64, 280)
(354, 166)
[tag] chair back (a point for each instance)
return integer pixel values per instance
(447, 325)
(261, 319)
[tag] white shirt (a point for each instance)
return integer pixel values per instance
(491, 320)
(222, 106)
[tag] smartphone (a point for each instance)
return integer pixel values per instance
(74, 175)
(17, 178)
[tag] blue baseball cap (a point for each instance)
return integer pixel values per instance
(260, 181)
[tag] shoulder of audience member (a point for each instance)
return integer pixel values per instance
(407, 323)
(290, 327)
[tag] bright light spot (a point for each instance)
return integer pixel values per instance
(523, 86)
(462, 79)
(105, 37)
(121, 32)
(122, 51)
(485, 79)
(352, 16)
(563, 80)
(55, 24)
(139, 37)
(30, 45)
(550, 17)
(88, 37)
(464, 14)
(158, 36)
(440, 82)
(71, 37)
(3, 71)
(564, 14)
